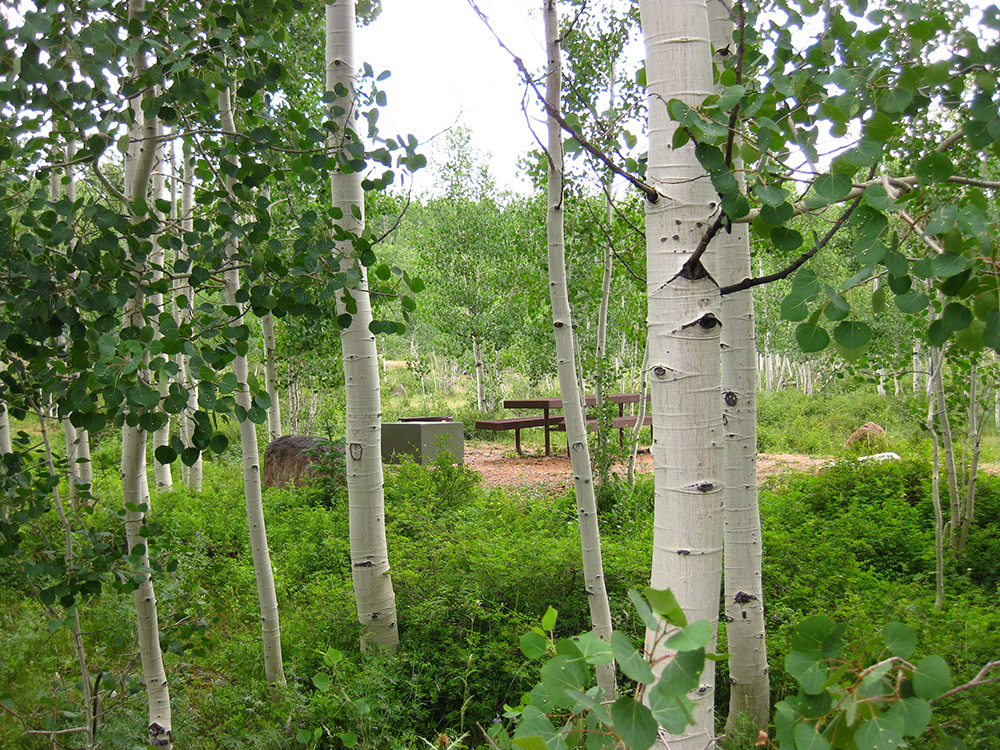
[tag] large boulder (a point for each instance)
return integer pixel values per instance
(869, 435)
(297, 459)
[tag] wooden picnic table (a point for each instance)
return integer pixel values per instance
(550, 420)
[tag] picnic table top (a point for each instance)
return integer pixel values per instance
(556, 403)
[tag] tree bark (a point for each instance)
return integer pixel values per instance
(562, 322)
(939, 527)
(684, 311)
(270, 627)
(190, 475)
(376, 600)
(271, 378)
(743, 588)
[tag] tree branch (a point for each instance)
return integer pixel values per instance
(651, 194)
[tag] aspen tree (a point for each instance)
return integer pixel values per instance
(684, 311)
(376, 600)
(562, 322)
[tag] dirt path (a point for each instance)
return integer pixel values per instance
(501, 466)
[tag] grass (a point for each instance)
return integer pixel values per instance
(473, 568)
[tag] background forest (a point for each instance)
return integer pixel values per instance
(780, 222)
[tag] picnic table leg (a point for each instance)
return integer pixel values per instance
(517, 441)
(545, 411)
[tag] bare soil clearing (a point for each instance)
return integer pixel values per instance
(501, 466)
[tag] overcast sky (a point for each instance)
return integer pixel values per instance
(447, 68)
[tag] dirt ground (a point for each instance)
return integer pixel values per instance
(501, 466)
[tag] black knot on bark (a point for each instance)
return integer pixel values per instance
(660, 371)
(683, 552)
(742, 597)
(731, 398)
(357, 450)
(704, 486)
(365, 564)
(708, 321)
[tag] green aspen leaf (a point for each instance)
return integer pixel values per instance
(896, 263)
(912, 302)
(680, 138)
(664, 603)
(971, 337)
(219, 443)
(794, 308)
(878, 301)
(915, 713)
(649, 619)
(682, 673)
(634, 723)
(730, 97)
(562, 673)
(694, 636)
(350, 739)
(869, 250)
(332, 656)
(710, 157)
(934, 168)
(535, 724)
(735, 204)
(549, 619)
(785, 240)
(869, 222)
(776, 216)
(807, 738)
(590, 700)
(593, 649)
(956, 316)
(811, 337)
(819, 635)
(982, 304)
(837, 300)
(946, 265)
(852, 334)
(630, 661)
(937, 333)
(931, 678)
(304, 736)
(943, 219)
(883, 732)
(771, 195)
(866, 153)
(808, 670)
(895, 99)
(877, 197)
(672, 712)
(534, 645)
(165, 454)
(322, 681)
(806, 283)
(832, 187)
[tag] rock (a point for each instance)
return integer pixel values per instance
(867, 435)
(399, 390)
(289, 460)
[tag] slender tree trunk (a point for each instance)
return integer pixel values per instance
(477, 353)
(939, 526)
(271, 378)
(266, 596)
(135, 492)
(191, 475)
(5, 444)
(162, 475)
(744, 592)
(562, 321)
(954, 500)
(376, 600)
(684, 311)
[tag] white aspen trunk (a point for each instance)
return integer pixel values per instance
(162, 475)
(939, 527)
(880, 389)
(477, 353)
(750, 684)
(271, 378)
(376, 600)
(5, 444)
(135, 491)
(684, 311)
(266, 596)
(562, 322)
(191, 475)
(948, 443)
(919, 386)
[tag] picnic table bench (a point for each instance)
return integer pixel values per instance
(557, 422)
